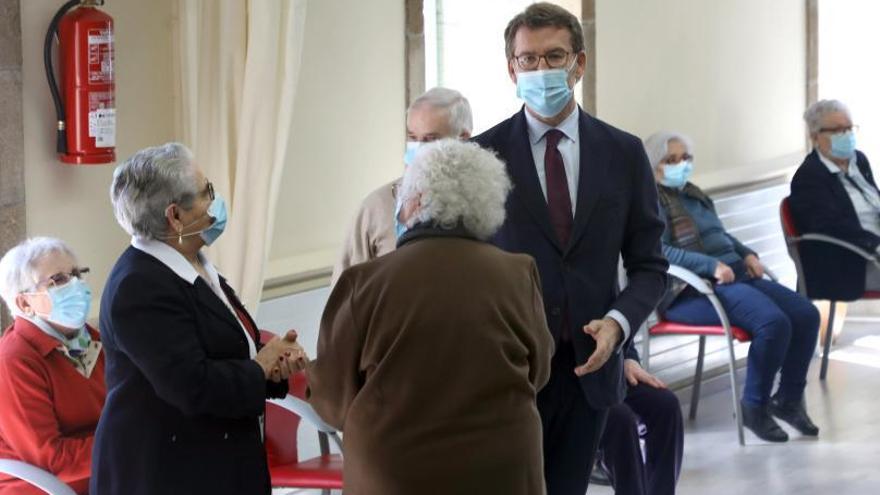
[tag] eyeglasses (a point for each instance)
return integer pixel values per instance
(555, 59)
(62, 278)
(209, 189)
(839, 130)
(672, 160)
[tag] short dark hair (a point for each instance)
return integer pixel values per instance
(544, 14)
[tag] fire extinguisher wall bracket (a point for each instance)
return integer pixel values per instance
(85, 104)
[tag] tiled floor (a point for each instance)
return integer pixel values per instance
(845, 459)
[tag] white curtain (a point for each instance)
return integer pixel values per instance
(237, 64)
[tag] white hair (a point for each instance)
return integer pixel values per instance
(457, 182)
(813, 115)
(18, 267)
(457, 106)
(145, 184)
(657, 145)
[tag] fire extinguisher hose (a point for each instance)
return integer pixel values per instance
(61, 136)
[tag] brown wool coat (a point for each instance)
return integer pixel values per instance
(429, 360)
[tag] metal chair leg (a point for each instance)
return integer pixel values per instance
(646, 348)
(698, 379)
(734, 389)
(829, 333)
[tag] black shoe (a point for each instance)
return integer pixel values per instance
(795, 414)
(759, 420)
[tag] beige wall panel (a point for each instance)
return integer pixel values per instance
(730, 73)
(70, 202)
(348, 128)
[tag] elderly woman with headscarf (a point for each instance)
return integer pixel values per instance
(429, 358)
(187, 378)
(51, 365)
(783, 325)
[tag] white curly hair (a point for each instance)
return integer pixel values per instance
(457, 182)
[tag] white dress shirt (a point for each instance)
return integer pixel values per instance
(863, 195)
(570, 150)
(568, 147)
(171, 258)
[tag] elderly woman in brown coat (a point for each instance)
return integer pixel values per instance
(429, 358)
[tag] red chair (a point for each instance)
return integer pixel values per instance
(282, 422)
(664, 327)
(792, 239)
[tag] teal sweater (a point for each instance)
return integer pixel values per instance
(717, 243)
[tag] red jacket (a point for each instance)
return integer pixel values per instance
(48, 410)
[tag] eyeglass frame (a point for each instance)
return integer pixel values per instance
(684, 157)
(519, 63)
(65, 277)
(209, 188)
(839, 130)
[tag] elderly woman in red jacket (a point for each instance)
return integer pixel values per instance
(51, 365)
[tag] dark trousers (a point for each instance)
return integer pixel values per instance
(784, 327)
(655, 474)
(571, 427)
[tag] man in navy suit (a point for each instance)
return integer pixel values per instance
(583, 195)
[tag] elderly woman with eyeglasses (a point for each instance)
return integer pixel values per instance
(187, 378)
(783, 324)
(51, 365)
(834, 193)
(430, 357)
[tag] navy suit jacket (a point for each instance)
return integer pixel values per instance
(183, 396)
(616, 214)
(820, 205)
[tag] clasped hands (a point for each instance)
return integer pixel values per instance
(282, 357)
(724, 274)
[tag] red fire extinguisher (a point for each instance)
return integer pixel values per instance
(85, 107)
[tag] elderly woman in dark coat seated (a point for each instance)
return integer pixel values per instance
(834, 193)
(429, 358)
(783, 325)
(187, 378)
(51, 365)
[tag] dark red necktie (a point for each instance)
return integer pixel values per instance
(558, 199)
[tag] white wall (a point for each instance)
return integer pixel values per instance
(348, 127)
(73, 203)
(731, 74)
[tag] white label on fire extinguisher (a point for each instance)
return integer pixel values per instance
(102, 127)
(100, 56)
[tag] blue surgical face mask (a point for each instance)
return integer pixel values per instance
(545, 92)
(70, 304)
(399, 228)
(676, 175)
(217, 211)
(412, 147)
(843, 145)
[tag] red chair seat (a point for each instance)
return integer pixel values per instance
(871, 294)
(672, 328)
(324, 472)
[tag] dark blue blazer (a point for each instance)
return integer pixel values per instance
(183, 396)
(616, 214)
(820, 205)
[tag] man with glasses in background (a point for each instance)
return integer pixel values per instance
(583, 195)
(437, 114)
(834, 193)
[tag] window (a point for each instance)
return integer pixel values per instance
(847, 72)
(464, 50)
